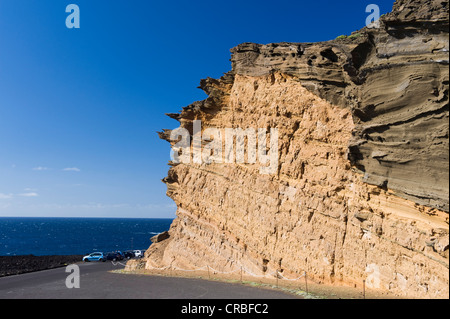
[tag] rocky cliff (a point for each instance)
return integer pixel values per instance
(361, 187)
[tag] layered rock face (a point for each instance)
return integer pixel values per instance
(360, 190)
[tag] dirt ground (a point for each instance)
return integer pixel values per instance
(303, 287)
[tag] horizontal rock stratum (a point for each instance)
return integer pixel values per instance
(361, 190)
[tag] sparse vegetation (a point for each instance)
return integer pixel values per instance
(342, 37)
(355, 35)
(352, 36)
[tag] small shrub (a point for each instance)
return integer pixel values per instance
(355, 35)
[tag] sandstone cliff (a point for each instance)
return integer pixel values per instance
(361, 187)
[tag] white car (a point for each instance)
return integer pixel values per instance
(139, 253)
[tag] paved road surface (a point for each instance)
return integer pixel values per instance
(96, 282)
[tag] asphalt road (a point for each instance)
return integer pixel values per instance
(97, 282)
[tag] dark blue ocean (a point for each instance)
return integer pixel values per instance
(76, 236)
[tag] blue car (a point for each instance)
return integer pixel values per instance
(97, 256)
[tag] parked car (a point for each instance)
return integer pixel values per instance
(139, 253)
(129, 254)
(120, 255)
(97, 256)
(112, 256)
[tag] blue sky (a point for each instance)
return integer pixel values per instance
(79, 108)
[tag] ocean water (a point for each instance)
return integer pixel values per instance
(76, 236)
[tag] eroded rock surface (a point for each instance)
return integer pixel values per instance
(361, 187)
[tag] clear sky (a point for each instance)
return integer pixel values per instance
(79, 108)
